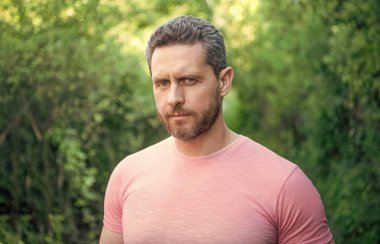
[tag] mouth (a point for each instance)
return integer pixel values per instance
(177, 115)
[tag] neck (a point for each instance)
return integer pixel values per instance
(216, 138)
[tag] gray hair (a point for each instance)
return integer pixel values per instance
(190, 30)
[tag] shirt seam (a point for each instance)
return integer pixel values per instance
(278, 197)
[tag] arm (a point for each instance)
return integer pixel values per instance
(300, 212)
(108, 236)
(112, 224)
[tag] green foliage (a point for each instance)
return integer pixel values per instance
(75, 99)
(350, 121)
(311, 91)
(69, 113)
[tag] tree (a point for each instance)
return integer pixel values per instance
(69, 113)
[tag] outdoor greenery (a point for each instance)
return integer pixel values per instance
(75, 98)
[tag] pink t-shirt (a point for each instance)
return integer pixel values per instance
(243, 193)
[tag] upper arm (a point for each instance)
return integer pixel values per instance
(113, 203)
(108, 236)
(300, 212)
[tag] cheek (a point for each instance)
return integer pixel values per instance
(156, 98)
(203, 97)
(159, 102)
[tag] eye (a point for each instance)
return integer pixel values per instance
(189, 81)
(162, 83)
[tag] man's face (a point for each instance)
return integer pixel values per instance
(186, 91)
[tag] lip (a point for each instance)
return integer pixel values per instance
(178, 116)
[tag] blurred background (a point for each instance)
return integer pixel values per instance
(75, 98)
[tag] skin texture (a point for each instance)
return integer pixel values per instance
(188, 99)
(174, 120)
(108, 236)
(173, 88)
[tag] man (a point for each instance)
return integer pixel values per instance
(205, 183)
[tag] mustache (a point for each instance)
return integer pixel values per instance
(179, 110)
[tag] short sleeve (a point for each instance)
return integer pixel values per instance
(112, 203)
(300, 212)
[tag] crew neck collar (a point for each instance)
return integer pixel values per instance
(234, 143)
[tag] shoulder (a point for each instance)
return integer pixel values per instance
(263, 159)
(259, 167)
(146, 155)
(299, 212)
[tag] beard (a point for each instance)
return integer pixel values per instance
(200, 123)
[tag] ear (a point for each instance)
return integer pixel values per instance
(225, 78)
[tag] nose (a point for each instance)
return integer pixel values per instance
(176, 95)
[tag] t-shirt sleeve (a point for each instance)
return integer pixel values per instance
(300, 212)
(113, 204)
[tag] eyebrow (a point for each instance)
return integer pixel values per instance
(193, 76)
(197, 77)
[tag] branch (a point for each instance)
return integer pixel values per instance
(36, 131)
(16, 120)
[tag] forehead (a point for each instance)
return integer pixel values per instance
(177, 57)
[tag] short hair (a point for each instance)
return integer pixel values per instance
(190, 30)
